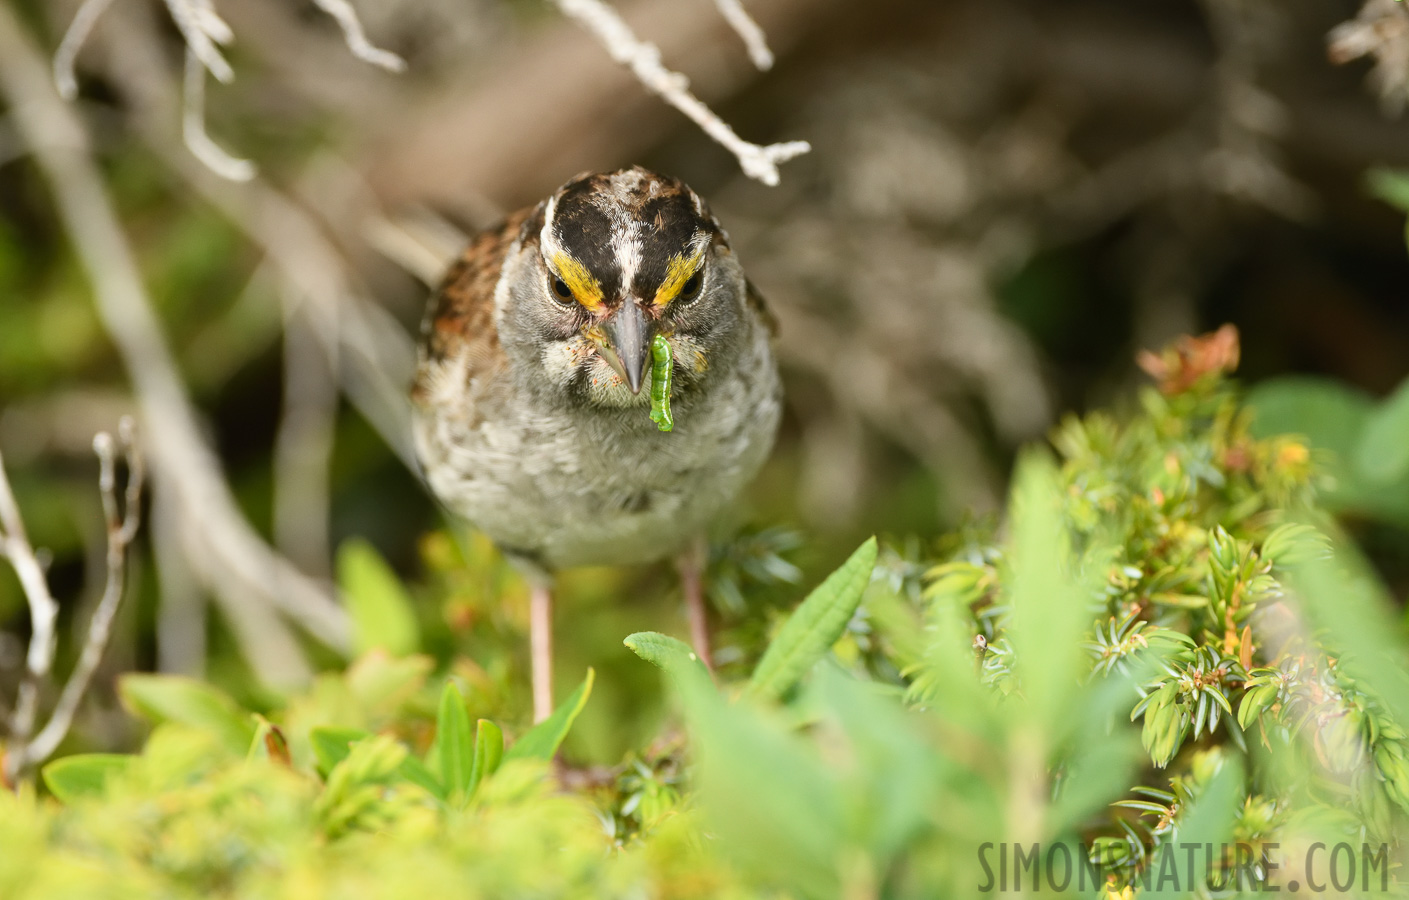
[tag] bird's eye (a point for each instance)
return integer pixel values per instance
(691, 288)
(561, 290)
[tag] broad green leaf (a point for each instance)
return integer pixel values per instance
(1383, 455)
(662, 650)
(767, 795)
(895, 782)
(83, 775)
(1390, 186)
(1049, 607)
(173, 698)
(489, 750)
(332, 745)
(381, 683)
(1344, 601)
(455, 748)
(383, 615)
(1095, 772)
(541, 741)
(416, 772)
(815, 626)
(1333, 418)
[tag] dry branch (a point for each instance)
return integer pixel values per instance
(211, 154)
(204, 33)
(644, 60)
(343, 13)
(67, 54)
(43, 612)
(122, 520)
(230, 558)
(753, 37)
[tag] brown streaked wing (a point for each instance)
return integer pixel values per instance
(756, 303)
(460, 315)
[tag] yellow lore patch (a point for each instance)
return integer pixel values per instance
(677, 272)
(585, 289)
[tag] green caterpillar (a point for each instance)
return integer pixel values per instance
(662, 362)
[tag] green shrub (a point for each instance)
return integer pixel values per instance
(1158, 647)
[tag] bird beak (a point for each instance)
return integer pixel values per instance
(627, 344)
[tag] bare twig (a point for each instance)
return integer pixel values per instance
(238, 566)
(304, 444)
(754, 40)
(183, 610)
(202, 30)
(122, 522)
(343, 13)
(643, 58)
(1381, 31)
(375, 355)
(77, 33)
(193, 126)
(204, 33)
(43, 611)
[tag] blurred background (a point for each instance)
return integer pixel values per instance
(1005, 200)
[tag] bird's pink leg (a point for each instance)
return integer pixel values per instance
(691, 564)
(540, 631)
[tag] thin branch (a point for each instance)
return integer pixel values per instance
(183, 608)
(238, 566)
(303, 447)
(67, 54)
(202, 29)
(754, 40)
(374, 353)
(346, 17)
(43, 612)
(643, 58)
(376, 356)
(193, 126)
(204, 32)
(122, 523)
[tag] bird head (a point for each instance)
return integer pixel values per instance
(608, 263)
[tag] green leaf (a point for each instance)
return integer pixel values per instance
(1218, 697)
(455, 749)
(83, 775)
(1334, 419)
(1383, 455)
(332, 745)
(541, 742)
(895, 783)
(489, 750)
(172, 698)
(1049, 606)
(1390, 186)
(662, 650)
(767, 795)
(383, 615)
(815, 626)
(416, 772)
(1355, 619)
(381, 684)
(1294, 544)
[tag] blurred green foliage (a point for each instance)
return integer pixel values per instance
(1158, 648)
(1363, 443)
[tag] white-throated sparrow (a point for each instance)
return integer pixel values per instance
(533, 394)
